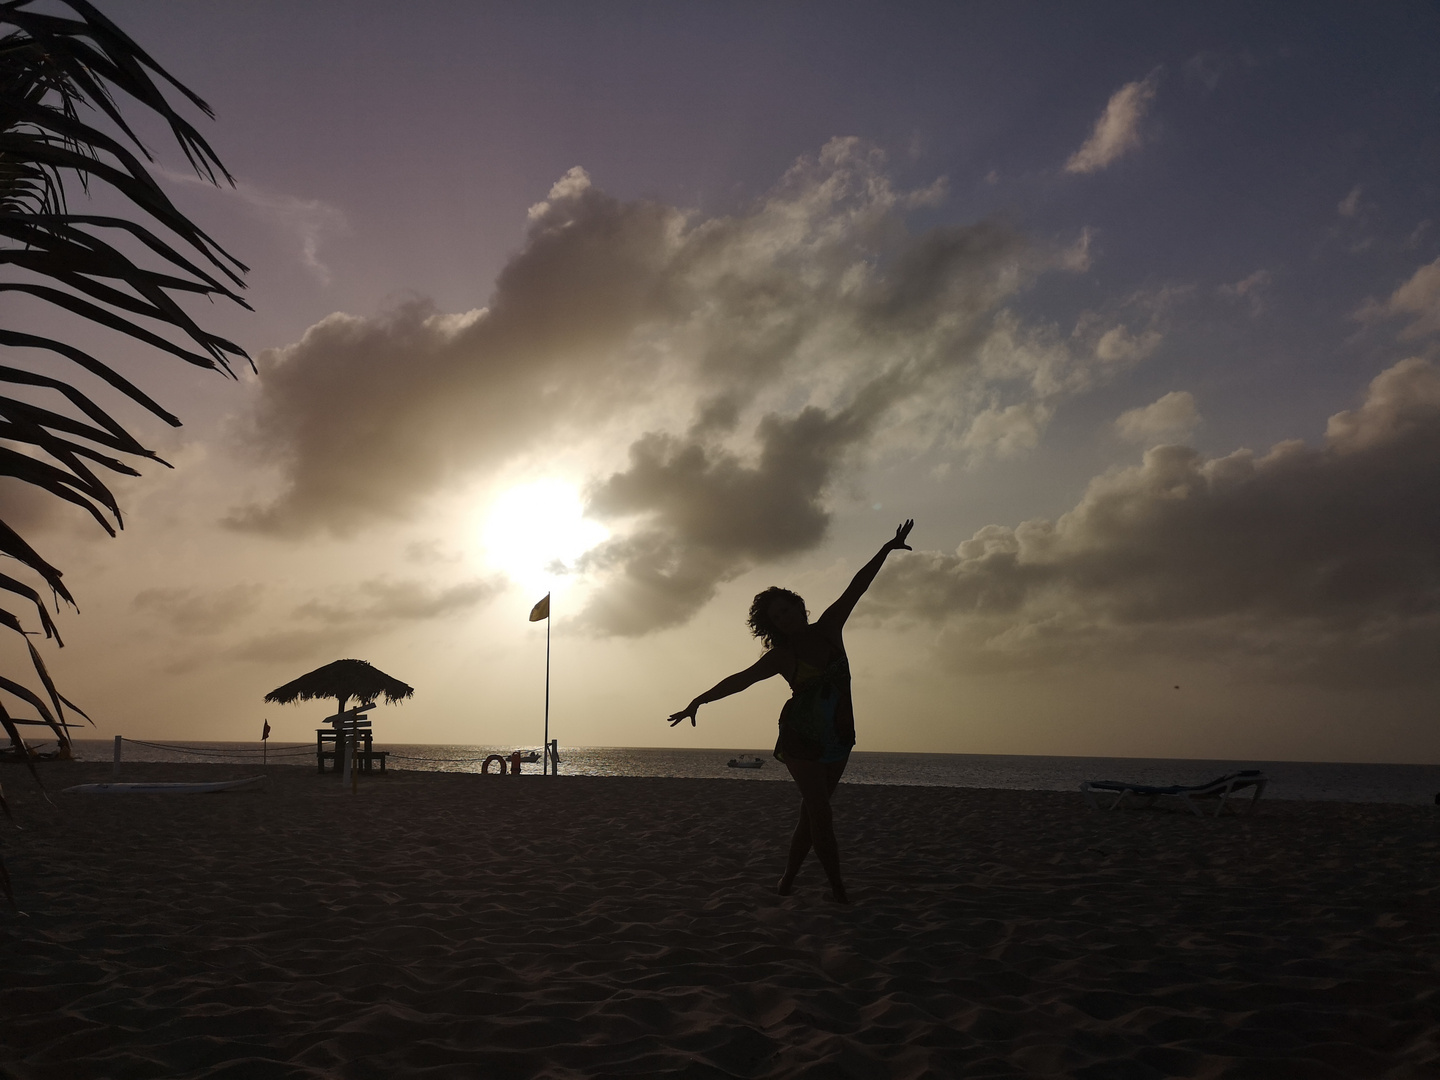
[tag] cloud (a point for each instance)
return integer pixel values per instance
(1009, 431)
(1250, 289)
(322, 627)
(1350, 205)
(1108, 335)
(310, 221)
(1304, 562)
(708, 515)
(26, 508)
(318, 627)
(1119, 346)
(1171, 418)
(1208, 67)
(188, 611)
(1418, 298)
(674, 346)
(386, 602)
(430, 552)
(307, 220)
(1117, 132)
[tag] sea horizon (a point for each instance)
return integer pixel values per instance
(1384, 782)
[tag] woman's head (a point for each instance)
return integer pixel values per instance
(775, 613)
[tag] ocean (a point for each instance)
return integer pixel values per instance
(1308, 780)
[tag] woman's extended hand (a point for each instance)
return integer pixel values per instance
(899, 544)
(688, 711)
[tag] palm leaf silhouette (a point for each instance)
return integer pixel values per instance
(54, 436)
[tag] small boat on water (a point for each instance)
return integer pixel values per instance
(745, 762)
(167, 788)
(530, 756)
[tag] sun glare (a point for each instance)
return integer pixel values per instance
(534, 526)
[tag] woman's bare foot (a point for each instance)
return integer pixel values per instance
(838, 896)
(786, 885)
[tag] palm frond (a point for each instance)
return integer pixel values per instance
(58, 439)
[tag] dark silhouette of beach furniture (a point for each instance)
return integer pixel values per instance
(1193, 796)
(365, 754)
(343, 680)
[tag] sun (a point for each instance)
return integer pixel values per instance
(531, 528)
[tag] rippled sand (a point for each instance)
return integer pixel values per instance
(458, 926)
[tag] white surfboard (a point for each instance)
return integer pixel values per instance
(167, 789)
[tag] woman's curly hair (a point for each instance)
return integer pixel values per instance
(761, 625)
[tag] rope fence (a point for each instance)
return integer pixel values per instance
(411, 757)
(297, 750)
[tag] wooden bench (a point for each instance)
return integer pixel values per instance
(365, 755)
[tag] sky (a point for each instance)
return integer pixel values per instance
(1134, 308)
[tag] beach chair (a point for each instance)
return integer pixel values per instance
(1194, 796)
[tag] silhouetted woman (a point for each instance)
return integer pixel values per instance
(817, 725)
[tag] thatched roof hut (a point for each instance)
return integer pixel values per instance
(342, 680)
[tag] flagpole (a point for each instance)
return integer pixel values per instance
(538, 612)
(545, 750)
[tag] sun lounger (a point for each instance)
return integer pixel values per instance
(1192, 795)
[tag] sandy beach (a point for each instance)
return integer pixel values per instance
(442, 925)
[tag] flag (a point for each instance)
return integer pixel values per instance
(541, 610)
(266, 733)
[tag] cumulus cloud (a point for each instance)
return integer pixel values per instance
(708, 514)
(1127, 333)
(1007, 432)
(741, 357)
(1117, 132)
(1322, 562)
(1418, 298)
(1171, 418)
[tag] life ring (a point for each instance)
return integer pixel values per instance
(485, 768)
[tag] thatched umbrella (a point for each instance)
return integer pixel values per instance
(342, 680)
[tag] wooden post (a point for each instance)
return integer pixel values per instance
(338, 723)
(115, 769)
(543, 762)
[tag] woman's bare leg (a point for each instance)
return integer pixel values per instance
(799, 848)
(817, 782)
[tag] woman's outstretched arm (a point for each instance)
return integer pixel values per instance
(836, 614)
(763, 668)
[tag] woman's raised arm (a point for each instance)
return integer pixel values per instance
(836, 614)
(763, 668)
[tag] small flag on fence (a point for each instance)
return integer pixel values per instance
(541, 610)
(266, 733)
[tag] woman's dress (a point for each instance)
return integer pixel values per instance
(818, 722)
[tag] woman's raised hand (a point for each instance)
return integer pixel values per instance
(688, 711)
(899, 544)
